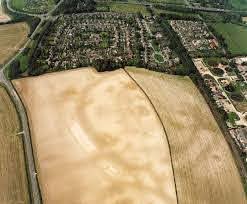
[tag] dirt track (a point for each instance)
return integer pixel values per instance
(97, 139)
(204, 168)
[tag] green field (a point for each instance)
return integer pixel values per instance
(32, 6)
(18, 4)
(129, 8)
(159, 1)
(167, 1)
(239, 4)
(235, 37)
(176, 14)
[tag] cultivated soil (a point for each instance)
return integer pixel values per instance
(12, 37)
(13, 180)
(204, 168)
(97, 139)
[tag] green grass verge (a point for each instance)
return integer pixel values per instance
(23, 63)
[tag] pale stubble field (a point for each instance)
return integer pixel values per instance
(97, 139)
(204, 168)
(12, 37)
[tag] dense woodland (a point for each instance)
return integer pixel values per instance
(77, 6)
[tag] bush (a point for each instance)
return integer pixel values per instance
(217, 71)
(77, 6)
(232, 117)
(14, 69)
(230, 88)
(229, 69)
(224, 61)
(237, 97)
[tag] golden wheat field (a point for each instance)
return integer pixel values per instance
(12, 37)
(97, 139)
(13, 180)
(204, 168)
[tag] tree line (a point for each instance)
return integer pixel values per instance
(76, 6)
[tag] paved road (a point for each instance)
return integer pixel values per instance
(41, 16)
(24, 46)
(29, 156)
(31, 170)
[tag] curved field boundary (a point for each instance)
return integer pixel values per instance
(167, 139)
(204, 168)
(112, 148)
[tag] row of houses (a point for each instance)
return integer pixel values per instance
(195, 36)
(238, 126)
(82, 39)
(241, 64)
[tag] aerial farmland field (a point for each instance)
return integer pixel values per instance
(12, 37)
(33, 6)
(204, 168)
(234, 35)
(168, 1)
(101, 103)
(13, 181)
(239, 4)
(129, 8)
(97, 139)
